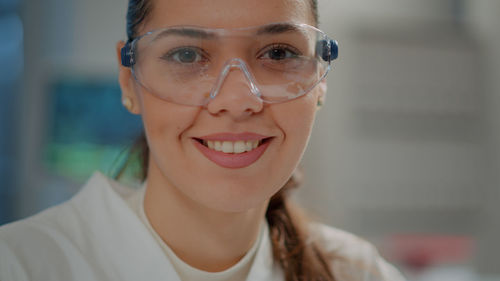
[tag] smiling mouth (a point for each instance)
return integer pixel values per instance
(234, 147)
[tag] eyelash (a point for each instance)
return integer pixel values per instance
(285, 47)
(204, 56)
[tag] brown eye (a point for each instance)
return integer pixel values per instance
(279, 52)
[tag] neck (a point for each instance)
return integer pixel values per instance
(207, 239)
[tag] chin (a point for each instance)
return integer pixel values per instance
(236, 199)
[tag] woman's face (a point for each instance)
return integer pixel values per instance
(179, 162)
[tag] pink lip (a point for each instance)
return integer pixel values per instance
(232, 160)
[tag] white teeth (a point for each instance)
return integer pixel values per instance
(218, 146)
(232, 147)
(227, 147)
(239, 147)
(248, 145)
(255, 144)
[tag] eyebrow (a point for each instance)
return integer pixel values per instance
(276, 28)
(187, 32)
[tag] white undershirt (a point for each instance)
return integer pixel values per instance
(239, 271)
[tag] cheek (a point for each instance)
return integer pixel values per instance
(296, 117)
(165, 122)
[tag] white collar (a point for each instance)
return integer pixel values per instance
(123, 235)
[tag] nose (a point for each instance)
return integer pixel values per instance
(235, 92)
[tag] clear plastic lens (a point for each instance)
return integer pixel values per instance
(183, 64)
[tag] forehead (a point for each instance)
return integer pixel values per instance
(226, 13)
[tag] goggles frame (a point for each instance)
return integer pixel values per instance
(328, 48)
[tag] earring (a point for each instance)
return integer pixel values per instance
(127, 103)
(319, 103)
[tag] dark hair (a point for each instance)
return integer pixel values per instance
(138, 10)
(288, 227)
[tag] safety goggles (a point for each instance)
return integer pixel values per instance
(188, 65)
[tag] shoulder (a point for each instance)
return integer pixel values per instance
(350, 257)
(30, 244)
(46, 245)
(58, 220)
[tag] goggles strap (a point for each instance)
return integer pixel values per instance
(127, 55)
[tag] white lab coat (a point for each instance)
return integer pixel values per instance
(97, 236)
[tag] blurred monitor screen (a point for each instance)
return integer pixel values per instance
(88, 129)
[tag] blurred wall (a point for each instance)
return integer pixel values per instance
(408, 139)
(64, 38)
(384, 158)
(11, 56)
(485, 21)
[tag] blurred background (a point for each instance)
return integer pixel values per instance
(405, 152)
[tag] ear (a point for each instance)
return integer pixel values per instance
(322, 87)
(127, 83)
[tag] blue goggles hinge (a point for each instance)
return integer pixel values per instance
(127, 55)
(328, 49)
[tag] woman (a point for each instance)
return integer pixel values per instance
(227, 91)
